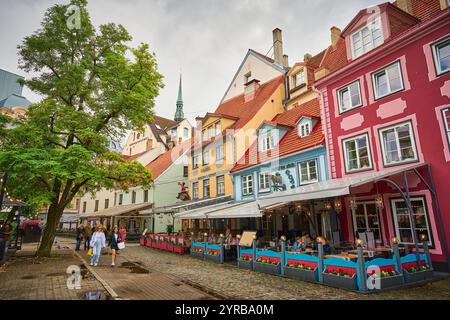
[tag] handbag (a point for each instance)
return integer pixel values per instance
(90, 252)
(121, 245)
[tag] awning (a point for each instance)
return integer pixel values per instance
(232, 209)
(199, 213)
(329, 188)
(118, 210)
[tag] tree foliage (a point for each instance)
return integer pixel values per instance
(93, 88)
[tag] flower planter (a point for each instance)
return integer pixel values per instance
(214, 258)
(341, 282)
(163, 245)
(148, 243)
(268, 268)
(142, 242)
(155, 244)
(244, 264)
(417, 276)
(301, 274)
(179, 250)
(390, 282)
(198, 255)
(169, 247)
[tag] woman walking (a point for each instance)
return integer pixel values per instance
(114, 240)
(97, 243)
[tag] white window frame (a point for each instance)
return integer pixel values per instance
(195, 161)
(339, 97)
(204, 134)
(210, 132)
(220, 183)
(413, 144)
(446, 125)
(366, 219)
(437, 62)
(247, 184)
(219, 152)
(204, 188)
(384, 70)
(218, 128)
(303, 182)
(186, 132)
(369, 153)
(359, 32)
(304, 128)
(264, 181)
(295, 79)
(395, 217)
(195, 190)
(267, 140)
(205, 157)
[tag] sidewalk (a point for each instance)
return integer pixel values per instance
(25, 277)
(130, 280)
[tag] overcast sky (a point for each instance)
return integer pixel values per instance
(207, 40)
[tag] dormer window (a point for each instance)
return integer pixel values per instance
(299, 78)
(365, 39)
(266, 141)
(304, 127)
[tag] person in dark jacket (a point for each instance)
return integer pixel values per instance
(80, 236)
(114, 240)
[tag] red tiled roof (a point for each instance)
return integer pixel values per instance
(237, 107)
(335, 58)
(165, 160)
(315, 60)
(291, 142)
(133, 157)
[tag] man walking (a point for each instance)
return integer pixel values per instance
(80, 234)
(87, 236)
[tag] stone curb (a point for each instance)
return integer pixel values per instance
(108, 288)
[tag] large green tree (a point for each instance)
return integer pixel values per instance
(94, 87)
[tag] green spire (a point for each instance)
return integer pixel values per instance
(179, 114)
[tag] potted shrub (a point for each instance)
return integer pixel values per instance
(213, 255)
(412, 273)
(197, 252)
(268, 265)
(343, 278)
(301, 270)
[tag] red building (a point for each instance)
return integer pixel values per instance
(386, 114)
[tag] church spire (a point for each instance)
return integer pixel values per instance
(179, 114)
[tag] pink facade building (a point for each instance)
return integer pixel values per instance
(386, 113)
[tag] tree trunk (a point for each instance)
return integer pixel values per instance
(53, 216)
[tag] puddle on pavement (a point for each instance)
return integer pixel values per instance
(94, 295)
(133, 267)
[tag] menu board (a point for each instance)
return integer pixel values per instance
(247, 238)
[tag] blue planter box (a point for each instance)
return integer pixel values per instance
(268, 268)
(244, 264)
(418, 276)
(301, 274)
(198, 255)
(214, 258)
(340, 281)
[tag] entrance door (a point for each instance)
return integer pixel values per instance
(365, 218)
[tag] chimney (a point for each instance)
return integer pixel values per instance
(335, 35)
(285, 61)
(277, 46)
(405, 5)
(250, 89)
(307, 57)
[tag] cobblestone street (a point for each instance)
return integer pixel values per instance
(25, 277)
(234, 283)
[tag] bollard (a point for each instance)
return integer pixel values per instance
(362, 270)
(426, 250)
(283, 257)
(238, 248)
(254, 254)
(320, 266)
(398, 262)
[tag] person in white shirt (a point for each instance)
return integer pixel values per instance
(97, 243)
